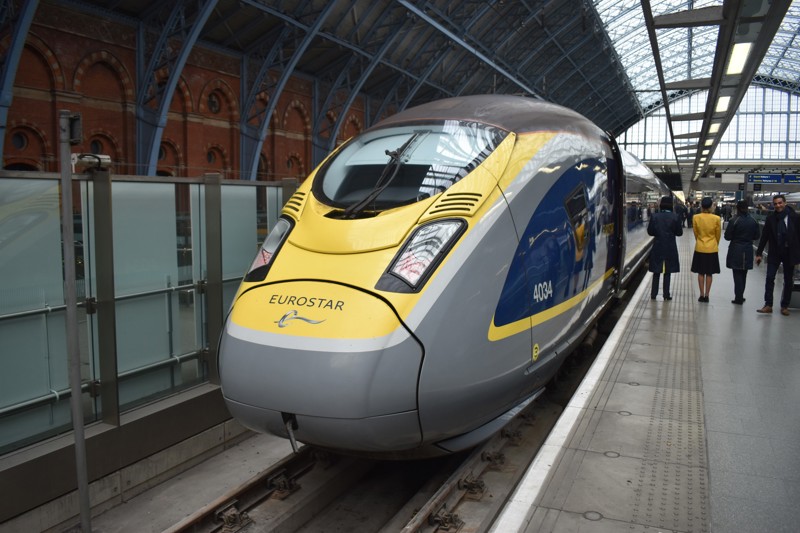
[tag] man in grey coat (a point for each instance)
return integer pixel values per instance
(742, 230)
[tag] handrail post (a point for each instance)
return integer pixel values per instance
(213, 296)
(71, 319)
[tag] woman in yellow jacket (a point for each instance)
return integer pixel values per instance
(705, 261)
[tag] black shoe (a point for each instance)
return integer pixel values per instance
(737, 302)
(652, 297)
(668, 297)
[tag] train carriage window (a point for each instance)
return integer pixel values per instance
(399, 165)
(578, 212)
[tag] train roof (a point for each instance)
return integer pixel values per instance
(517, 114)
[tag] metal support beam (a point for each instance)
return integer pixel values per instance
(472, 50)
(253, 136)
(704, 16)
(213, 291)
(10, 63)
(106, 294)
(71, 320)
(158, 80)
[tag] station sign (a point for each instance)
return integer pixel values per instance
(773, 178)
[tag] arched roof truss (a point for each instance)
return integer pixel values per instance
(611, 60)
(14, 22)
(167, 32)
(718, 46)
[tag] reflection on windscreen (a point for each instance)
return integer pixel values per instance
(401, 165)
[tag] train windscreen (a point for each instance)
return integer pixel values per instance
(399, 165)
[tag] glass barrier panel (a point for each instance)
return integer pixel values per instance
(239, 230)
(34, 383)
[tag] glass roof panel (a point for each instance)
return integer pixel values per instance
(624, 22)
(783, 57)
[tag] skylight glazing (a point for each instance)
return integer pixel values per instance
(765, 127)
(624, 22)
(782, 61)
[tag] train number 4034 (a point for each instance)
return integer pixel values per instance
(542, 291)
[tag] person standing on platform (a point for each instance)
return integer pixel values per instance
(707, 229)
(742, 230)
(781, 233)
(664, 226)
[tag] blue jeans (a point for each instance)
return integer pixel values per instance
(788, 283)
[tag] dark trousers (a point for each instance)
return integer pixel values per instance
(739, 281)
(654, 286)
(788, 283)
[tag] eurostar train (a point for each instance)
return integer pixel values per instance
(431, 275)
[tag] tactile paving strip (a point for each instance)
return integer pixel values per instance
(672, 489)
(636, 458)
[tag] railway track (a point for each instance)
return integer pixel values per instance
(314, 490)
(317, 491)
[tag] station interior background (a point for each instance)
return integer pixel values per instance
(194, 122)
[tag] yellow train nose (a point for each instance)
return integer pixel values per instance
(335, 359)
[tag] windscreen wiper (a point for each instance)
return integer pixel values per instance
(390, 171)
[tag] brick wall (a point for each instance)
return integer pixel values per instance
(75, 62)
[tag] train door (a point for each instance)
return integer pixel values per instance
(616, 195)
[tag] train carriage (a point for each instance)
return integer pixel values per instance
(429, 278)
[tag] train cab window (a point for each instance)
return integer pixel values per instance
(399, 165)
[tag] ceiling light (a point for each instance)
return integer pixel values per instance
(714, 127)
(738, 58)
(709, 142)
(705, 152)
(722, 104)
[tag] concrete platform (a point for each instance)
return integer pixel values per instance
(170, 502)
(688, 421)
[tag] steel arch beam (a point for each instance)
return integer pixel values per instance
(21, 24)
(353, 89)
(154, 92)
(469, 48)
(253, 136)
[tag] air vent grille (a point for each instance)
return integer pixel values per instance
(295, 203)
(459, 204)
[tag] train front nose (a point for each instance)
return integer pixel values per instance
(333, 360)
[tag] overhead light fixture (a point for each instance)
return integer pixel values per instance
(714, 127)
(722, 104)
(705, 152)
(709, 142)
(738, 58)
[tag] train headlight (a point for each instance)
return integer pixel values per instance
(418, 258)
(258, 270)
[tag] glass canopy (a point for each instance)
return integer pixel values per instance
(624, 22)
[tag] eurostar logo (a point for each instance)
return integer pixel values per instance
(293, 315)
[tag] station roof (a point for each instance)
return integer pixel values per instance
(611, 60)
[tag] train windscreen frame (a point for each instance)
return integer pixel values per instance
(399, 165)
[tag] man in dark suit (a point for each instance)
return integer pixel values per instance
(782, 233)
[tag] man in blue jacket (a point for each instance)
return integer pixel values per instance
(782, 233)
